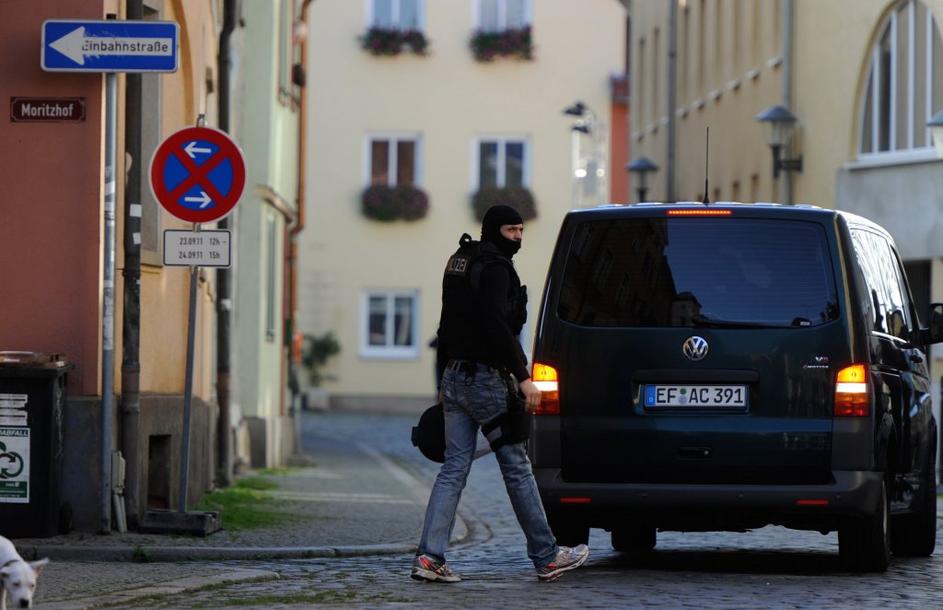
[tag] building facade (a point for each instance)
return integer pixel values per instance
(862, 78)
(52, 241)
(268, 97)
(415, 113)
(52, 264)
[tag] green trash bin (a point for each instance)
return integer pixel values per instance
(32, 395)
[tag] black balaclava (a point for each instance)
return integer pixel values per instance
(496, 217)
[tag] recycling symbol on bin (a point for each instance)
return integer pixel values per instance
(8, 461)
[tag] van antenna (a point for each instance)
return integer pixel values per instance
(707, 151)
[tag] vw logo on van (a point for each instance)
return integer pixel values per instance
(695, 348)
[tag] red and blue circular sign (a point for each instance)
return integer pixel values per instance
(198, 174)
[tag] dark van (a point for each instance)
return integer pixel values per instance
(729, 366)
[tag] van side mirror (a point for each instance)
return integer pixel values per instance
(935, 332)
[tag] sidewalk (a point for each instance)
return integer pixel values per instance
(351, 501)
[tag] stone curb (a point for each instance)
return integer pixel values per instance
(146, 554)
(474, 532)
(170, 587)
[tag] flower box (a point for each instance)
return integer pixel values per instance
(518, 197)
(389, 203)
(384, 41)
(514, 42)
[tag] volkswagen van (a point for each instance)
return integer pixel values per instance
(730, 366)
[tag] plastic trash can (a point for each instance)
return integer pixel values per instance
(32, 396)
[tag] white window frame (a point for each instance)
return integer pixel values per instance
(371, 16)
(894, 155)
(503, 14)
(389, 352)
(393, 138)
(502, 142)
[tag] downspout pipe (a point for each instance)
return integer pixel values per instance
(788, 35)
(223, 275)
(672, 100)
(131, 326)
(299, 224)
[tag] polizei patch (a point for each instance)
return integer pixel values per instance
(457, 265)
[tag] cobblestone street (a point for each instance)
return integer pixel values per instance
(770, 568)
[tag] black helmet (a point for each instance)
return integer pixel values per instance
(429, 434)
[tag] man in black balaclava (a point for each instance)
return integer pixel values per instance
(480, 361)
(496, 217)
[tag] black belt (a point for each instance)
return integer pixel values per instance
(469, 367)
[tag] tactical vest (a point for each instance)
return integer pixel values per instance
(461, 321)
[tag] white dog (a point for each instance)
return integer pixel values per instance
(17, 576)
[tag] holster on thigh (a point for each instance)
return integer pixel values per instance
(508, 428)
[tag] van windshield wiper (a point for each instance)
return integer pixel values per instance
(703, 321)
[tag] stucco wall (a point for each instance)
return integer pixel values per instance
(905, 200)
(447, 99)
(52, 178)
(268, 133)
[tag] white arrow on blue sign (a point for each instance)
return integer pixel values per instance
(110, 46)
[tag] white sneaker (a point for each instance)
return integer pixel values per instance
(567, 559)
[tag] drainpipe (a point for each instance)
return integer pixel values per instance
(788, 33)
(223, 276)
(131, 327)
(672, 97)
(299, 224)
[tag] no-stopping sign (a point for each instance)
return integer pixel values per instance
(198, 174)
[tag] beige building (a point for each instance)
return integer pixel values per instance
(451, 125)
(863, 78)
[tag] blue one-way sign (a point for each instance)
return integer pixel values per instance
(109, 46)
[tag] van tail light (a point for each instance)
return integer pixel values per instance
(545, 378)
(853, 392)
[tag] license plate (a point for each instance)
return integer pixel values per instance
(696, 396)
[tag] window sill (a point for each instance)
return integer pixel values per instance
(891, 159)
(389, 354)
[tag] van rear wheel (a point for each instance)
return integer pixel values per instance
(637, 539)
(864, 543)
(914, 535)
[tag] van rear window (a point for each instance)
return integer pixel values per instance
(737, 272)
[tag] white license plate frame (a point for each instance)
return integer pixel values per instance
(728, 397)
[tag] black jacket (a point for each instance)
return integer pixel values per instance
(483, 310)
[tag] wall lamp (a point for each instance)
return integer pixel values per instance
(936, 132)
(576, 109)
(782, 124)
(640, 168)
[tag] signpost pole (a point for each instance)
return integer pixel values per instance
(185, 182)
(108, 298)
(188, 376)
(188, 390)
(104, 47)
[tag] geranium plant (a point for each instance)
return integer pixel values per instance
(389, 203)
(518, 197)
(514, 42)
(386, 41)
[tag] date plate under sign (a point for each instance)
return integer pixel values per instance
(197, 248)
(695, 396)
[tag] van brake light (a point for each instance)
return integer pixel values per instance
(545, 378)
(700, 212)
(853, 392)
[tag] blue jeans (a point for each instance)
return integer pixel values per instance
(470, 402)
